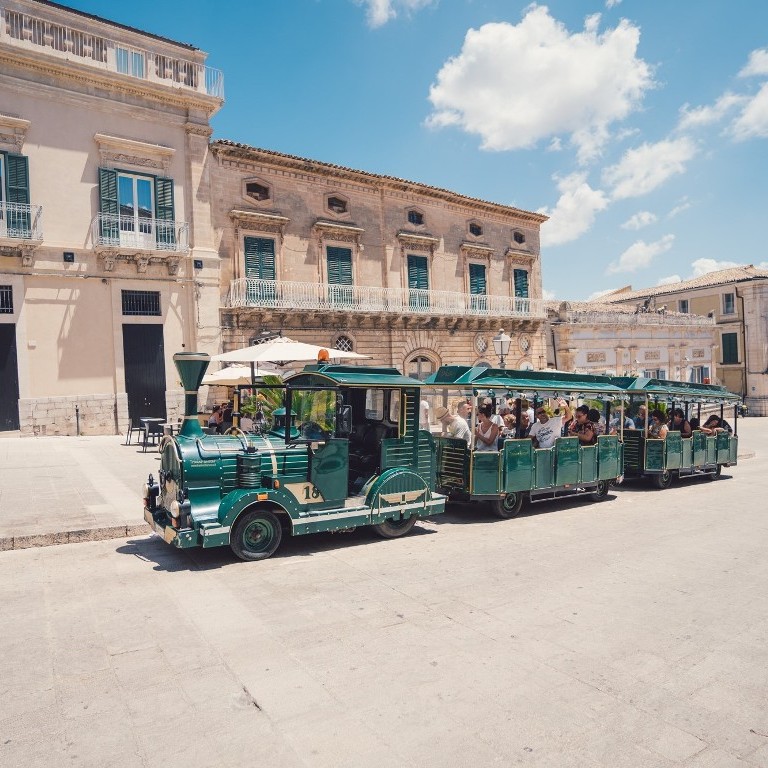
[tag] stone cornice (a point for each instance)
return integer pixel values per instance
(116, 151)
(258, 221)
(476, 250)
(391, 184)
(412, 241)
(13, 131)
(514, 254)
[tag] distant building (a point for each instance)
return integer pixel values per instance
(412, 275)
(612, 339)
(737, 299)
(107, 264)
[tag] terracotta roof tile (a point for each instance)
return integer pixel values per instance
(721, 277)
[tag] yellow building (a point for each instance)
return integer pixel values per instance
(737, 299)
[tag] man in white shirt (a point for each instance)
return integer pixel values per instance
(453, 425)
(547, 429)
(424, 415)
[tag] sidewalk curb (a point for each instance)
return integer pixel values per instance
(73, 537)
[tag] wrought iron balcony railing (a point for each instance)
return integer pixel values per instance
(250, 292)
(109, 230)
(31, 32)
(21, 222)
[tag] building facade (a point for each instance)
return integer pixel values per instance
(613, 339)
(411, 275)
(737, 300)
(107, 261)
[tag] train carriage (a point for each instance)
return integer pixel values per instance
(518, 471)
(700, 455)
(349, 453)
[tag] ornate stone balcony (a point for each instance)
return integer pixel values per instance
(54, 38)
(638, 318)
(140, 239)
(358, 299)
(21, 229)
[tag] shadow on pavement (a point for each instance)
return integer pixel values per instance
(165, 557)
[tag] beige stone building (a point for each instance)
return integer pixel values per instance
(614, 339)
(412, 275)
(107, 262)
(737, 299)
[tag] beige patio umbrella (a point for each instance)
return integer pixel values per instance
(239, 374)
(282, 350)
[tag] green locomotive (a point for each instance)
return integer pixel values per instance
(349, 453)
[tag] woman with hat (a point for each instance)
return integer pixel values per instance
(453, 425)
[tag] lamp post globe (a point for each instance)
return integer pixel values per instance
(501, 344)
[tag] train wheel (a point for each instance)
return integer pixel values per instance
(663, 480)
(256, 535)
(508, 506)
(392, 529)
(601, 491)
(716, 474)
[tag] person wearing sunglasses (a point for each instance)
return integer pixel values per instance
(548, 428)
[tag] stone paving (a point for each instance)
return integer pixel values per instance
(627, 633)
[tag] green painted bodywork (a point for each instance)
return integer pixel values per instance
(307, 483)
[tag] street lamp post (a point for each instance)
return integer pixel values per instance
(501, 343)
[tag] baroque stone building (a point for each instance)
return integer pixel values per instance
(107, 263)
(614, 339)
(412, 275)
(737, 299)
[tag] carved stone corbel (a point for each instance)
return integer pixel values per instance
(173, 266)
(142, 262)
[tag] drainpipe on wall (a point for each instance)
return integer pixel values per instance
(745, 367)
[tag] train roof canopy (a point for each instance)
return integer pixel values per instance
(522, 381)
(682, 391)
(351, 376)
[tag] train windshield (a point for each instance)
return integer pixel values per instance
(314, 413)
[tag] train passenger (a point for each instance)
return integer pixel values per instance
(582, 427)
(715, 424)
(548, 428)
(524, 428)
(616, 420)
(597, 422)
(680, 423)
(640, 418)
(695, 424)
(453, 425)
(658, 427)
(486, 431)
(214, 420)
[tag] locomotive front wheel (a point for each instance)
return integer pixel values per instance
(256, 535)
(392, 529)
(508, 506)
(663, 480)
(601, 491)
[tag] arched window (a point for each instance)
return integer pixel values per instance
(345, 344)
(419, 366)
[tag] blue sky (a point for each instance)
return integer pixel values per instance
(639, 126)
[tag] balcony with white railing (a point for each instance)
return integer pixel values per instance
(112, 232)
(638, 318)
(272, 294)
(20, 223)
(33, 33)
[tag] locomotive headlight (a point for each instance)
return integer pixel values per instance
(175, 510)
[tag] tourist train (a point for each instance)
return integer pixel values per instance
(347, 449)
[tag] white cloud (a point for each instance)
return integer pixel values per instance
(639, 220)
(574, 213)
(683, 205)
(699, 116)
(643, 169)
(381, 11)
(547, 295)
(516, 85)
(753, 120)
(704, 266)
(640, 254)
(610, 3)
(669, 280)
(757, 64)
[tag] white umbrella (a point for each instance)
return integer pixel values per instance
(238, 374)
(283, 350)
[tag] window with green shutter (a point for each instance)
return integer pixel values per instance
(15, 192)
(339, 275)
(165, 234)
(478, 287)
(730, 348)
(260, 267)
(418, 282)
(521, 283)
